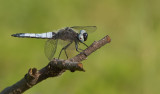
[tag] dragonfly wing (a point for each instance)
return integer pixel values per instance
(50, 48)
(87, 28)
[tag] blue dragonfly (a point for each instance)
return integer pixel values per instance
(75, 34)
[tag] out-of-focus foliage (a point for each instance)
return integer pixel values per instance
(130, 64)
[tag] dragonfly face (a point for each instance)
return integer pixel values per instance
(82, 36)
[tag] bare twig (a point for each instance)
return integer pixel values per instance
(55, 68)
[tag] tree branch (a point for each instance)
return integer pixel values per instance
(55, 68)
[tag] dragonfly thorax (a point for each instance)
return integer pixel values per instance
(82, 36)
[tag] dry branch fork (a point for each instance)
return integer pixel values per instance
(55, 68)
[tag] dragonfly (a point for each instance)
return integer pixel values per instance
(75, 34)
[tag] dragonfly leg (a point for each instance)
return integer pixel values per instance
(66, 53)
(64, 48)
(77, 49)
(85, 45)
(76, 45)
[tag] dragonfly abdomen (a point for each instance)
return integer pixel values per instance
(47, 35)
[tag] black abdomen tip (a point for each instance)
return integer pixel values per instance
(16, 35)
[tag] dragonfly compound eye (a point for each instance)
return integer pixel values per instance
(85, 35)
(81, 38)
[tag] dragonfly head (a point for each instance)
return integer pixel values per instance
(82, 36)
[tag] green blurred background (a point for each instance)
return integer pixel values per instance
(130, 64)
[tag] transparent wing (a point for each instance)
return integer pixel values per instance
(87, 28)
(50, 48)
